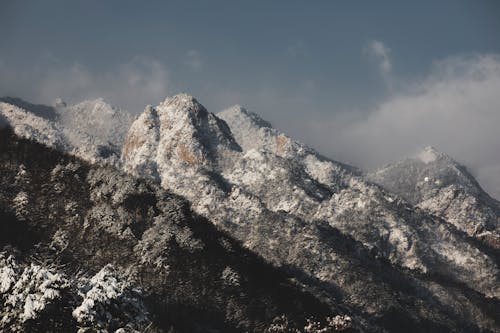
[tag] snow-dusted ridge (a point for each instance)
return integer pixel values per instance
(240, 173)
(93, 129)
(433, 181)
(279, 197)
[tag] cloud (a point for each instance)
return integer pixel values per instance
(297, 49)
(193, 60)
(379, 52)
(456, 108)
(130, 85)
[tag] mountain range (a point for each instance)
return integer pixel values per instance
(185, 220)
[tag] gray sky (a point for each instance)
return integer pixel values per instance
(363, 82)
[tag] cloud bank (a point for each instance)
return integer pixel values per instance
(131, 85)
(381, 54)
(456, 108)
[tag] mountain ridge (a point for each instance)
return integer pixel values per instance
(433, 181)
(288, 203)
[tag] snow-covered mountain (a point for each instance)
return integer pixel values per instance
(439, 185)
(241, 173)
(376, 250)
(87, 248)
(93, 130)
(96, 249)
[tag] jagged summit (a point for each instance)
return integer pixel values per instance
(183, 103)
(179, 135)
(252, 132)
(241, 114)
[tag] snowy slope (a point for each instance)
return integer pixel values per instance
(91, 249)
(93, 130)
(439, 185)
(340, 235)
(30, 126)
(243, 175)
(95, 124)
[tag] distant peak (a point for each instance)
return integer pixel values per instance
(96, 102)
(242, 114)
(236, 110)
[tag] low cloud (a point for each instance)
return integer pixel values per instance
(130, 85)
(379, 52)
(456, 109)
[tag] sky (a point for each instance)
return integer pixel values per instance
(363, 82)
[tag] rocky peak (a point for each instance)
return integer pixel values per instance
(239, 115)
(183, 103)
(94, 110)
(420, 176)
(252, 132)
(179, 134)
(441, 186)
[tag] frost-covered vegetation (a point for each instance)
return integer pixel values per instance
(93, 130)
(247, 173)
(351, 256)
(129, 256)
(42, 297)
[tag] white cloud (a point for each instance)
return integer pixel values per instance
(130, 85)
(380, 53)
(456, 109)
(193, 60)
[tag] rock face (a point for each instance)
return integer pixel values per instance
(378, 257)
(439, 185)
